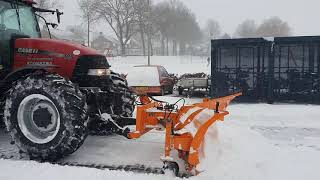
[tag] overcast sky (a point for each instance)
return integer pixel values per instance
(302, 15)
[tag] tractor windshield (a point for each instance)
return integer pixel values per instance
(18, 19)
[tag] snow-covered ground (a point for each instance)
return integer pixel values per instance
(255, 142)
(175, 65)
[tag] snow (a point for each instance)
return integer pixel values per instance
(248, 153)
(256, 141)
(143, 76)
(176, 65)
(269, 38)
(185, 116)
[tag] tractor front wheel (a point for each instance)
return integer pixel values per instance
(46, 116)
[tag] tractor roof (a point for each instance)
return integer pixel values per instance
(29, 2)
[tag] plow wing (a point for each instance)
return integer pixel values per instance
(185, 128)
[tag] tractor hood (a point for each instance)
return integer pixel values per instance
(53, 47)
(55, 55)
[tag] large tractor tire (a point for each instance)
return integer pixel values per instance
(46, 116)
(125, 98)
(125, 105)
(2, 125)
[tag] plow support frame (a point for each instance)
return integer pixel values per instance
(152, 116)
(198, 139)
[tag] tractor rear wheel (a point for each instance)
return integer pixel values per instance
(46, 116)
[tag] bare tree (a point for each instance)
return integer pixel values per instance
(89, 14)
(213, 29)
(247, 29)
(77, 30)
(121, 16)
(225, 36)
(177, 23)
(188, 30)
(274, 27)
(141, 9)
(162, 21)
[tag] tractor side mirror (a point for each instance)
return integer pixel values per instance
(53, 25)
(59, 15)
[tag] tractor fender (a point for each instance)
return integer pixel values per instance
(21, 72)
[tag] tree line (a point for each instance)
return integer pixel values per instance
(170, 23)
(271, 27)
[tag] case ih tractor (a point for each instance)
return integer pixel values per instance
(53, 92)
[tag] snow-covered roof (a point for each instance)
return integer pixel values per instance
(143, 76)
(269, 38)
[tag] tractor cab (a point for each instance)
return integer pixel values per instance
(52, 92)
(16, 19)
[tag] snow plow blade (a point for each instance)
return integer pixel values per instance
(185, 128)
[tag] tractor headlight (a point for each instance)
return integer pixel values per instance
(99, 72)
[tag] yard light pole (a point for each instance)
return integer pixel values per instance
(148, 28)
(88, 31)
(149, 32)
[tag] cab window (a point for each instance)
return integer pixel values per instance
(9, 20)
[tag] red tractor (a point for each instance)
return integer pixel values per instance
(53, 92)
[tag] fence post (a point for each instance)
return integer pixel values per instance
(318, 71)
(214, 59)
(270, 96)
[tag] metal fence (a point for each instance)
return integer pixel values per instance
(282, 69)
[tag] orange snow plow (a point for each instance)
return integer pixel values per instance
(185, 128)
